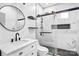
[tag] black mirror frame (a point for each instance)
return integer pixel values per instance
(22, 14)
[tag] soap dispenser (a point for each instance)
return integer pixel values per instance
(12, 40)
(19, 38)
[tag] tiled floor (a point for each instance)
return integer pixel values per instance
(48, 55)
(66, 53)
(61, 52)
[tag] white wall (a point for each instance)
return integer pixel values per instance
(61, 38)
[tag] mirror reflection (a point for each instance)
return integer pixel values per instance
(14, 18)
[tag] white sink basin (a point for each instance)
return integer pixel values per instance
(20, 42)
(10, 47)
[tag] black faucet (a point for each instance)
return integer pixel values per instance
(16, 36)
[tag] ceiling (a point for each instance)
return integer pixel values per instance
(47, 5)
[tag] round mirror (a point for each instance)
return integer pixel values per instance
(14, 18)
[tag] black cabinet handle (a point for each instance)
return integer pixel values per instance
(20, 53)
(32, 46)
(32, 53)
(0, 53)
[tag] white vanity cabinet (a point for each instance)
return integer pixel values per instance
(29, 49)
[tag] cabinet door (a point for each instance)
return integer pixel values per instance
(32, 53)
(24, 50)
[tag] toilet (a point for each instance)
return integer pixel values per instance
(41, 51)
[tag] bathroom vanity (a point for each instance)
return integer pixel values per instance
(20, 48)
(13, 20)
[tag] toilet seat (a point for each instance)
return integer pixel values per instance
(42, 50)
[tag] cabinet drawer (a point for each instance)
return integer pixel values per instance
(24, 50)
(32, 53)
